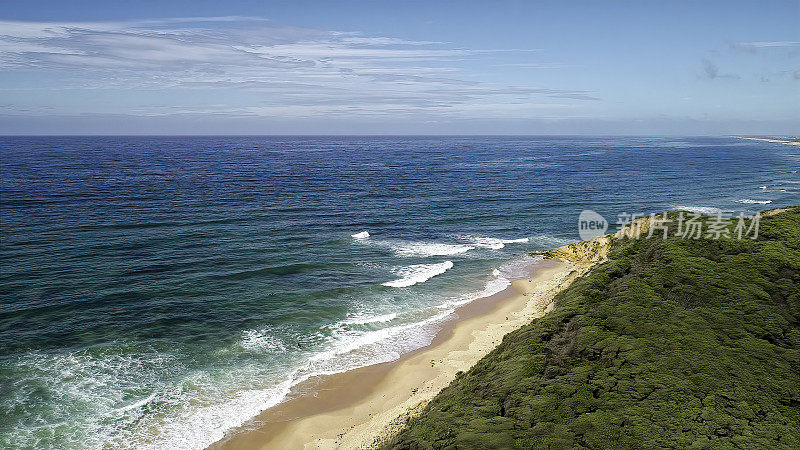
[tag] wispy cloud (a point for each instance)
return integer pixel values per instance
(753, 47)
(534, 65)
(288, 70)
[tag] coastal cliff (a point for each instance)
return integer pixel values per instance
(596, 250)
(585, 252)
(665, 343)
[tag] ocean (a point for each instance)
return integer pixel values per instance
(156, 292)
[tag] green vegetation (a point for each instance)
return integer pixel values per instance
(673, 343)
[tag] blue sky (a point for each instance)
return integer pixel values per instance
(400, 67)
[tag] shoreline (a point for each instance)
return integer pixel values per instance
(363, 407)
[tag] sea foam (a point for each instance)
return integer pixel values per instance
(501, 279)
(757, 202)
(200, 425)
(493, 243)
(262, 340)
(700, 209)
(418, 273)
(415, 248)
(365, 319)
(429, 249)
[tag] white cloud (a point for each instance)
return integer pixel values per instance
(288, 71)
(231, 42)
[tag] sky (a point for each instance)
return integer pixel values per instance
(400, 67)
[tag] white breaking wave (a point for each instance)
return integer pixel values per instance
(401, 248)
(199, 428)
(512, 270)
(349, 350)
(700, 209)
(414, 248)
(137, 404)
(493, 243)
(261, 340)
(361, 235)
(102, 386)
(749, 201)
(519, 267)
(346, 349)
(418, 273)
(363, 320)
(206, 419)
(493, 286)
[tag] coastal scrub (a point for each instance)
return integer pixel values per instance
(679, 343)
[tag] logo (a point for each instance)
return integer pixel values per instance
(591, 225)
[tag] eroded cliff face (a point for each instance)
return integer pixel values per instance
(584, 252)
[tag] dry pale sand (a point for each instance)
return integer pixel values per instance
(362, 407)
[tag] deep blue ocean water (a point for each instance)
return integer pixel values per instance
(157, 291)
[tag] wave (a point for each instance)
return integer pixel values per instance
(200, 428)
(364, 320)
(263, 340)
(493, 243)
(758, 202)
(413, 248)
(348, 350)
(495, 285)
(205, 418)
(106, 392)
(700, 209)
(428, 249)
(418, 273)
(137, 404)
(425, 249)
(502, 277)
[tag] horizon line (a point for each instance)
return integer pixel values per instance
(400, 135)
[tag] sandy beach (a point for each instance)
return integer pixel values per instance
(363, 407)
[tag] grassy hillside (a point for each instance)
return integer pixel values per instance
(674, 343)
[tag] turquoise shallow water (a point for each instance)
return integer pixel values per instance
(157, 291)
